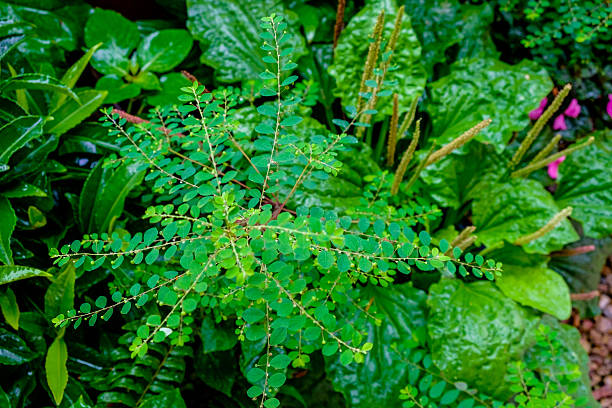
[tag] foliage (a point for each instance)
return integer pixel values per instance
(412, 251)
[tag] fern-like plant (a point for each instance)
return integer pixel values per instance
(234, 245)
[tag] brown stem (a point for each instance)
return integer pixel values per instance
(339, 21)
(574, 251)
(585, 296)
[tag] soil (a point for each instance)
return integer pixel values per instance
(597, 340)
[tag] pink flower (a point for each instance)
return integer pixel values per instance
(573, 110)
(536, 113)
(553, 168)
(609, 107)
(559, 123)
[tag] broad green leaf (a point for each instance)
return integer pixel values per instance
(36, 82)
(14, 350)
(12, 273)
(516, 208)
(216, 337)
(104, 193)
(171, 85)
(117, 90)
(112, 56)
(15, 134)
(526, 279)
(72, 75)
(8, 43)
(352, 50)
(481, 88)
(60, 295)
(582, 270)
(10, 308)
(376, 382)
(146, 80)
(30, 159)
(229, 35)
(475, 331)
(585, 184)
(453, 180)
(442, 24)
(217, 369)
(171, 398)
(23, 190)
(163, 50)
(7, 226)
(55, 368)
(72, 113)
(571, 353)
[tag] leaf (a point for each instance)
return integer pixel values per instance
(482, 88)
(13, 350)
(7, 226)
(171, 85)
(351, 52)
(117, 44)
(60, 295)
(55, 368)
(171, 398)
(376, 382)
(104, 193)
(526, 279)
(570, 353)
(37, 82)
(10, 308)
(14, 273)
(163, 50)
(216, 337)
(582, 271)
(72, 113)
(229, 35)
(117, 90)
(8, 43)
(507, 211)
(585, 184)
(475, 331)
(442, 24)
(15, 134)
(218, 370)
(72, 75)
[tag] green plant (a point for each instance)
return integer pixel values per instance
(289, 276)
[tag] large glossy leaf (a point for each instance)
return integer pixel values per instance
(582, 270)
(228, 32)
(59, 297)
(215, 337)
(163, 50)
(72, 113)
(55, 368)
(441, 24)
(171, 398)
(527, 280)
(30, 158)
(104, 193)
(36, 82)
(218, 370)
(475, 331)
(377, 381)
(113, 56)
(8, 43)
(516, 208)
(352, 49)
(481, 88)
(585, 183)
(9, 220)
(12, 273)
(452, 181)
(13, 350)
(569, 354)
(15, 134)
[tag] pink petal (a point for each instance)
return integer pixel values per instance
(559, 123)
(609, 107)
(536, 113)
(573, 110)
(553, 168)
